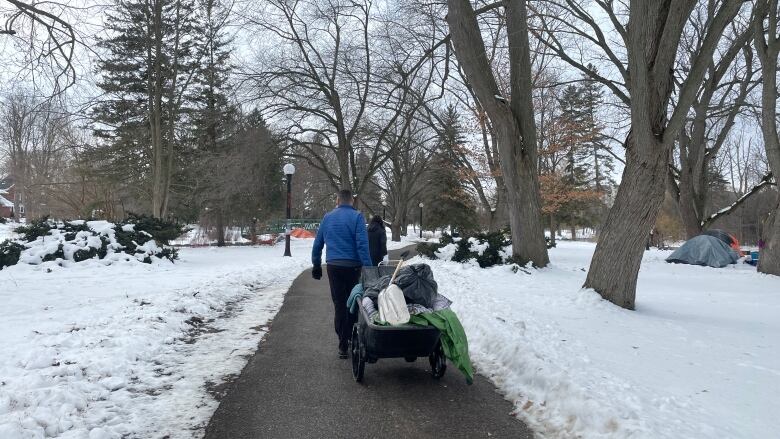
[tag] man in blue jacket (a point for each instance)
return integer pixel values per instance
(343, 232)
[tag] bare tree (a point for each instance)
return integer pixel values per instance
(643, 54)
(403, 174)
(336, 87)
(34, 139)
(511, 117)
(720, 100)
(48, 39)
(767, 43)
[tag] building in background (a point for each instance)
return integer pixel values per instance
(8, 199)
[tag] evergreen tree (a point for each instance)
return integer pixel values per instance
(598, 163)
(147, 53)
(213, 118)
(241, 181)
(214, 114)
(450, 203)
(573, 121)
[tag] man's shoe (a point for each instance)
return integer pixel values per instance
(343, 354)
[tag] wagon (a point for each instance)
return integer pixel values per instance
(370, 341)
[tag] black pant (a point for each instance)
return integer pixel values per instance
(342, 280)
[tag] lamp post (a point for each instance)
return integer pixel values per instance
(421, 217)
(384, 207)
(289, 170)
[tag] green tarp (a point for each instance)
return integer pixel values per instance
(453, 338)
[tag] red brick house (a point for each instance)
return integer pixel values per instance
(7, 195)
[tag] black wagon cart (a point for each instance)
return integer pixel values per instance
(372, 341)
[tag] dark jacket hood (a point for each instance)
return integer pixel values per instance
(374, 226)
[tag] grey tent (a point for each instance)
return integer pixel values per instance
(720, 234)
(704, 250)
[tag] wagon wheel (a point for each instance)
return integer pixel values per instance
(438, 361)
(358, 355)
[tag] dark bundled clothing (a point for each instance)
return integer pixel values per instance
(415, 280)
(342, 280)
(377, 241)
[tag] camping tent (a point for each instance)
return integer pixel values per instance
(729, 239)
(704, 250)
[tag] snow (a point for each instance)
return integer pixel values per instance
(412, 237)
(5, 203)
(478, 247)
(199, 236)
(7, 230)
(131, 349)
(697, 359)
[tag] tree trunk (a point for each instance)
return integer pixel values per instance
(690, 218)
(395, 230)
(693, 171)
(522, 197)
(653, 38)
(573, 230)
(512, 119)
(552, 229)
(155, 116)
(767, 48)
(220, 229)
(770, 254)
(615, 265)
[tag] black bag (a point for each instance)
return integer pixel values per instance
(418, 284)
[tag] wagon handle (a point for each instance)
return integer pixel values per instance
(397, 267)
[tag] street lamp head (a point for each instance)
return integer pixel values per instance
(289, 169)
(493, 209)
(421, 204)
(384, 203)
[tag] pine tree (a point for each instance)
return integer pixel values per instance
(599, 164)
(450, 203)
(213, 117)
(147, 53)
(573, 121)
(214, 114)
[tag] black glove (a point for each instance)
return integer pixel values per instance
(316, 272)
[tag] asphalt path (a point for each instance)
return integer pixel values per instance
(295, 386)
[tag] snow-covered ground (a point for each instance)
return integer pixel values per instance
(412, 237)
(137, 350)
(699, 358)
(132, 349)
(7, 230)
(199, 236)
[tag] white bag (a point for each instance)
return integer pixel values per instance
(392, 304)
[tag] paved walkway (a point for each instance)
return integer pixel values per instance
(296, 387)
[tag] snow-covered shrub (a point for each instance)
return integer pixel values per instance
(428, 249)
(161, 230)
(9, 253)
(45, 240)
(487, 249)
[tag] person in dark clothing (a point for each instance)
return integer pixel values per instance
(343, 232)
(377, 240)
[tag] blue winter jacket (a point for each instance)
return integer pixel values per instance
(343, 231)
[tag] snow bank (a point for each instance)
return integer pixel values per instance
(697, 359)
(131, 350)
(66, 243)
(7, 230)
